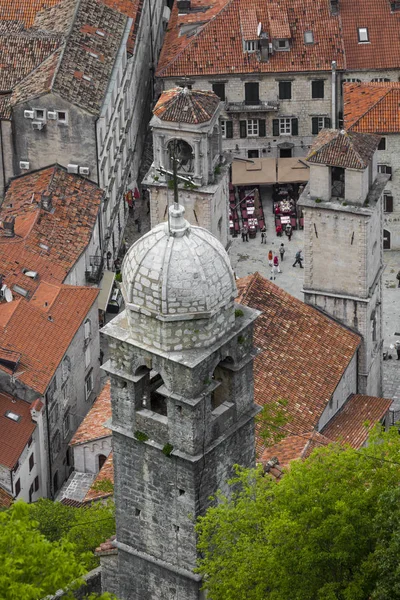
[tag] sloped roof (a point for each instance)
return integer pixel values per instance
(293, 447)
(353, 422)
(5, 499)
(92, 426)
(106, 473)
(216, 47)
(66, 231)
(42, 334)
(133, 10)
(23, 11)
(14, 435)
(307, 375)
(182, 105)
(345, 149)
(372, 107)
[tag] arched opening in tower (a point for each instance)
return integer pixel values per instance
(182, 152)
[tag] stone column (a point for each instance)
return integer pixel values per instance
(162, 150)
(197, 158)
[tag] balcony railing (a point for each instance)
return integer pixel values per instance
(96, 269)
(261, 106)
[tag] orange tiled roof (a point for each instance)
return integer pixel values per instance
(106, 473)
(66, 231)
(23, 11)
(346, 149)
(293, 447)
(216, 47)
(372, 107)
(133, 10)
(353, 422)
(383, 49)
(42, 337)
(107, 547)
(306, 376)
(186, 106)
(5, 499)
(92, 426)
(14, 435)
(248, 22)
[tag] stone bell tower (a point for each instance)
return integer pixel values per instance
(343, 242)
(181, 372)
(186, 126)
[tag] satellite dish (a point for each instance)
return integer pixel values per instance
(8, 295)
(259, 30)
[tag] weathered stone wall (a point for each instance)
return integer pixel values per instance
(347, 385)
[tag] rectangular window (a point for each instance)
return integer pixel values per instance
(31, 462)
(252, 127)
(285, 126)
(380, 79)
(62, 116)
(243, 128)
(308, 37)
(317, 88)
(285, 90)
(282, 45)
(87, 357)
(382, 144)
(387, 202)
(229, 129)
(250, 45)
(40, 114)
(223, 129)
(318, 123)
(87, 329)
(17, 487)
(363, 36)
(252, 153)
(219, 90)
(385, 169)
(88, 385)
(251, 93)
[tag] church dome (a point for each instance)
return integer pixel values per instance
(178, 272)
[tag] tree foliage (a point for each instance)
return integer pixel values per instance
(328, 530)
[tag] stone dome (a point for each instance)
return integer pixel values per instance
(177, 271)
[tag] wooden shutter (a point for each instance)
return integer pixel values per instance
(327, 122)
(243, 129)
(229, 129)
(261, 127)
(295, 127)
(388, 203)
(275, 126)
(314, 125)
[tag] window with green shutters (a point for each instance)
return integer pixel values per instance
(318, 123)
(285, 126)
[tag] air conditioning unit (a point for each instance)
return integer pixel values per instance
(270, 48)
(73, 169)
(23, 165)
(84, 171)
(51, 115)
(38, 125)
(29, 114)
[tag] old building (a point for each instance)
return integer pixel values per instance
(182, 402)
(373, 108)
(186, 129)
(342, 207)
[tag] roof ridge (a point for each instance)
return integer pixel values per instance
(195, 37)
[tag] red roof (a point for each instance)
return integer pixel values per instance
(293, 447)
(353, 422)
(186, 106)
(372, 107)
(106, 473)
(346, 149)
(216, 46)
(92, 426)
(14, 434)
(307, 375)
(42, 335)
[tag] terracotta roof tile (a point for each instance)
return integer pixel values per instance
(5, 499)
(66, 231)
(216, 47)
(356, 418)
(14, 435)
(293, 447)
(5, 107)
(248, 22)
(106, 473)
(344, 149)
(186, 106)
(107, 547)
(372, 107)
(92, 426)
(42, 338)
(133, 10)
(306, 376)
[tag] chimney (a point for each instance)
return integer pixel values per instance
(183, 5)
(264, 47)
(8, 226)
(334, 7)
(45, 201)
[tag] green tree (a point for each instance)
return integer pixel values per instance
(323, 532)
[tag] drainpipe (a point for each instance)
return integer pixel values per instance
(333, 66)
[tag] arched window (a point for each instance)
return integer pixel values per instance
(101, 459)
(221, 376)
(182, 153)
(158, 402)
(386, 239)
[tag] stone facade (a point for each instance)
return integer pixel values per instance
(343, 260)
(181, 417)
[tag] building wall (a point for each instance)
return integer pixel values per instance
(77, 276)
(71, 143)
(346, 386)
(86, 456)
(6, 156)
(391, 157)
(23, 473)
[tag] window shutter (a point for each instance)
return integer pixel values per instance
(327, 122)
(389, 204)
(261, 127)
(243, 132)
(389, 172)
(295, 127)
(275, 126)
(229, 129)
(314, 125)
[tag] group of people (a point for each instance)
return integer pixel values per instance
(274, 263)
(288, 231)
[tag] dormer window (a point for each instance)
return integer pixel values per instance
(308, 37)
(282, 45)
(251, 45)
(363, 36)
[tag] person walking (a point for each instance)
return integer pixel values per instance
(276, 263)
(245, 234)
(398, 278)
(263, 235)
(299, 259)
(270, 257)
(282, 251)
(289, 231)
(397, 346)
